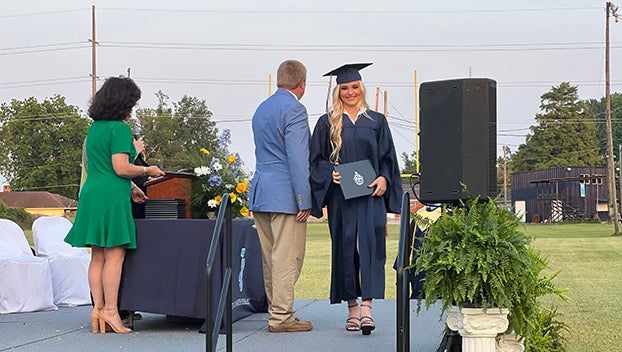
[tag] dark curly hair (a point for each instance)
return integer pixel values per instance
(115, 99)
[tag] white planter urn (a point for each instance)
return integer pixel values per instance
(478, 328)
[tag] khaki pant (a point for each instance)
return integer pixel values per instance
(282, 241)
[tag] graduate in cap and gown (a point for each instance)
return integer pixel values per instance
(350, 132)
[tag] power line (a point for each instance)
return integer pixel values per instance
(261, 82)
(32, 51)
(509, 135)
(44, 82)
(513, 130)
(41, 46)
(299, 11)
(348, 11)
(43, 13)
(213, 81)
(416, 48)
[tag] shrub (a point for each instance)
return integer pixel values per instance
(18, 215)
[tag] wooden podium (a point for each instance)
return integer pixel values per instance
(173, 185)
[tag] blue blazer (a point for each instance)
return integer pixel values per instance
(281, 134)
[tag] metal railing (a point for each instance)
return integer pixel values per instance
(224, 301)
(402, 290)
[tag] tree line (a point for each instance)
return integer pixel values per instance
(41, 141)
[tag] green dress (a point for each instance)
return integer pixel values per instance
(104, 216)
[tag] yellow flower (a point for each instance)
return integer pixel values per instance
(231, 158)
(233, 197)
(218, 199)
(204, 151)
(244, 211)
(241, 187)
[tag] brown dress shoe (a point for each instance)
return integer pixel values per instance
(295, 325)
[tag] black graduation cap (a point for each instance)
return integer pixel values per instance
(347, 73)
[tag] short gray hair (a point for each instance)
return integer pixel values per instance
(290, 74)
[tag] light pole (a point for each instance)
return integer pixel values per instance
(611, 184)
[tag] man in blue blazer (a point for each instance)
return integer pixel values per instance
(280, 195)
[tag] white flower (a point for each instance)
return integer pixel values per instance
(217, 166)
(212, 203)
(245, 171)
(229, 186)
(202, 170)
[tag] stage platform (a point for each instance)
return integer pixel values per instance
(68, 329)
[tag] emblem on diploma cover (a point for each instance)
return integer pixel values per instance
(358, 178)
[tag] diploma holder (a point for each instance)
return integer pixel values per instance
(355, 177)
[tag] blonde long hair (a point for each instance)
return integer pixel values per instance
(335, 118)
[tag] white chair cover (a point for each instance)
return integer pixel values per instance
(69, 265)
(25, 280)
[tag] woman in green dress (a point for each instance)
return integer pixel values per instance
(104, 218)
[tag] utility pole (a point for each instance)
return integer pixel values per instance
(611, 184)
(505, 176)
(93, 53)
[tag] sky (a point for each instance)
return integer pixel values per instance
(226, 52)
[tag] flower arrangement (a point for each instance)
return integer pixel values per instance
(219, 171)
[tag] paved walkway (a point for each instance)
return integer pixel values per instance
(68, 329)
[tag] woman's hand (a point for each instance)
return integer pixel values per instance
(138, 196)
(139, 144)
(381, 186)
(336, 176)
(153, 171)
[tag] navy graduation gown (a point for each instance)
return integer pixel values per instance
(370, 138)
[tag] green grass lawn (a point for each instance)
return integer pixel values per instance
(588, 258)
(589, 261)
(28, 234)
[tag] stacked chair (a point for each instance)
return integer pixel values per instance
(25, 280)
(69, 265)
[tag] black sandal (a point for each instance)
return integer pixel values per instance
(367, 323)
(353, 323)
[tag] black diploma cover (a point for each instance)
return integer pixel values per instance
(355, 177)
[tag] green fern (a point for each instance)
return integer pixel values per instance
(475, 255)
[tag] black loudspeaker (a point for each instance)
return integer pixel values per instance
(458, 139)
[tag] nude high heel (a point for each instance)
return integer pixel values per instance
(116, 325)
(95, 319)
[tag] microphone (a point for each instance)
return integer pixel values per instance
(136, 132)
(136, 135)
